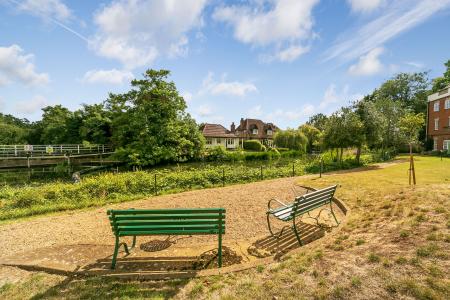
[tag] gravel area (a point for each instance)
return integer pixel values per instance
(245, 219)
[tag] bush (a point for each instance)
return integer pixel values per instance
(217, 153)
(282, 149)
(253, 145)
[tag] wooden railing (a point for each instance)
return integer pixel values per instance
(52, 150)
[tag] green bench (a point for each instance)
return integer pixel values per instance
(302, 205)
(143, 222)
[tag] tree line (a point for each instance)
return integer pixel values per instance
(149, 125)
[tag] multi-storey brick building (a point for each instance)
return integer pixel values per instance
(438, 119)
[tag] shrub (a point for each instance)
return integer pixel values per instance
(217, 153)
(253, 145)
(282, 149)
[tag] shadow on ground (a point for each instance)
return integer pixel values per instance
(287, 242)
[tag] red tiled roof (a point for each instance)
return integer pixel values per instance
(216, 130)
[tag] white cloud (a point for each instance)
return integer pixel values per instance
(332, 99)
(17, 66)
(223, 87)
(415, 64)
(397, 17)
(187, 96)
(204, 110)
(137, 32)
(32, 106)
(292, 115)
(365, 6)
(255, 112)
(368, 64)
(46, 9)
(285, 24)
(113, 76)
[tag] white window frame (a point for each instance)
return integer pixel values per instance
(230, 142)
(436, 106)
(446, 145)
(435, 141)
(269, 132)
(255, 131)
(436, 124)
(208, 141)
(447, 104)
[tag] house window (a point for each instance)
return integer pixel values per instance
(447, 104)
(219, 141)
(255, 131)
(230, 141)
(269, 132)
(435, 144)
(436, 124)
(436, 106)
(446, 145)
(208, 141)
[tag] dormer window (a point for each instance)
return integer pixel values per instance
(255, 131)
(269, 132)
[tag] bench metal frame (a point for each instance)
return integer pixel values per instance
(301, 206)
(145, 222)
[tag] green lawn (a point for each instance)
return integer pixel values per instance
(395, 244)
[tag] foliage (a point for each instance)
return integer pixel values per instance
(292, 139)
(150, 125)
(313, 136)
(97, 190)
(318, 121)
(410, 124)
(253, 145)
(440, 83)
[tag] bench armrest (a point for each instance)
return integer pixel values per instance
(269, 210)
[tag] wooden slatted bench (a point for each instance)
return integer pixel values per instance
(302, 205)
(143, 222)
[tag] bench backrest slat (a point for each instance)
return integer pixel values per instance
(132, 222)
(311, 201)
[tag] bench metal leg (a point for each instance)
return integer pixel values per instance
(277, 236)
(116, 251)
(297, 235)
(220, 250)
(134, 242)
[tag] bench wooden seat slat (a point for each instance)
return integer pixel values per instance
(303, 205)
(186, 221)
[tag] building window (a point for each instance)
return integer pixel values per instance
(255, 131)
(436, 106)
(436, 124)
(269, 132)
(447, 104)
(230, 141)
(219, 141)
(208, 141)
(446, 145)
(435, 144)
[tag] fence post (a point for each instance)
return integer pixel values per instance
(293, 169)
(223, 176)
(156, 187)
(262, 176)
(321, 167)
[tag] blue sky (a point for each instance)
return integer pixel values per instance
(277, 60)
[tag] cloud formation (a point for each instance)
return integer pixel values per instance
(137, 32)
(286, 25)
(223, 87)
(368, 64)
(15, 66)
(396, 18)
(46, 9)
(365, 6)
(113, 76)
(33, 105)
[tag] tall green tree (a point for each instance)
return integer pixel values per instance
(95, 124)
(312, 134)
(318, 120)
(149, 123)
(293, 139)
(54, 124)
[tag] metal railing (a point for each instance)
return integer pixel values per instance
(52, 150)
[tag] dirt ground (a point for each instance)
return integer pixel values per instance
(70, 240)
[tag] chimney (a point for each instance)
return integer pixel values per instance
(242, 123)
(233, 127)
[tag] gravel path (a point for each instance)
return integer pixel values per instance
(245, 204)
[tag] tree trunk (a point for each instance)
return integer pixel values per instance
(342, 152)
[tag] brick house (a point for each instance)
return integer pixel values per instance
(248, 129)
(438, 119)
